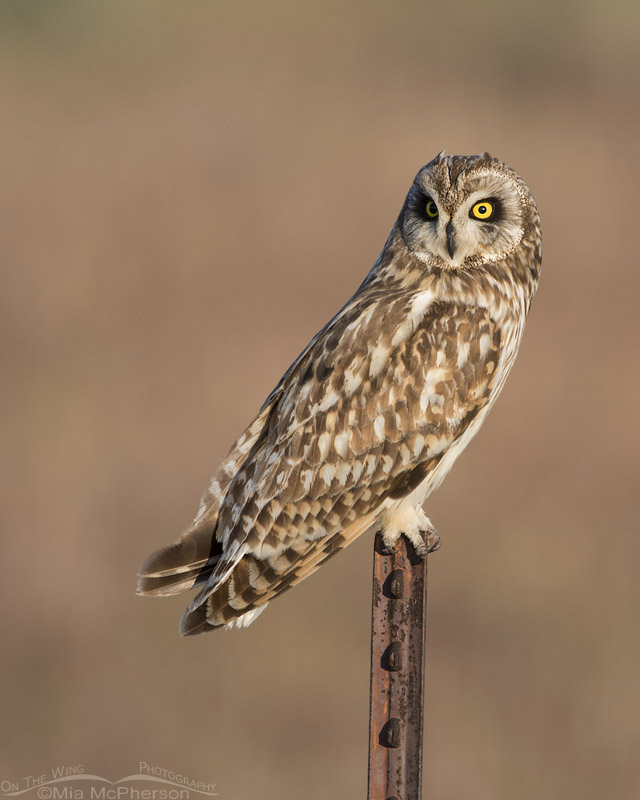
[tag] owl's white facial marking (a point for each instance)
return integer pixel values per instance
(438, 223)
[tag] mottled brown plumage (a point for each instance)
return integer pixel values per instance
(373, 413)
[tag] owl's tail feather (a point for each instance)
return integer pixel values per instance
(195, 622)
(185, 563)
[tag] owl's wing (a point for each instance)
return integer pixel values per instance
(362, 418)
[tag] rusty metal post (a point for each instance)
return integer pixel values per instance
(398, 627)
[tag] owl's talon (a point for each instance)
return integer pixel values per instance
(387, 547)
(416, 526)
(426, 541)
(433, 540)
(416, 539)
(420, 547)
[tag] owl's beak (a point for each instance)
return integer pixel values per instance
(451, 238)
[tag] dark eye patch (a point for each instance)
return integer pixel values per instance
(496, 210)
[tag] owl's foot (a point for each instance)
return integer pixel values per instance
(415, 525)
(433, 540)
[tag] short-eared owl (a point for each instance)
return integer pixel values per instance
(369, 419)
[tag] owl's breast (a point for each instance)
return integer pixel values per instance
(467, 354)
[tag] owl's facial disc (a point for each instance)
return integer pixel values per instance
(462, 223)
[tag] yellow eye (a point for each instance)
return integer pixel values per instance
(482, 210)
(432, 210)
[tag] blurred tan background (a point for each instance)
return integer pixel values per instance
(188, 191)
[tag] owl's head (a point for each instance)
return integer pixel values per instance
(465, 211)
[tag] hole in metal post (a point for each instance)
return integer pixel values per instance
(394, 585)
(390, 734)
(392, 657)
